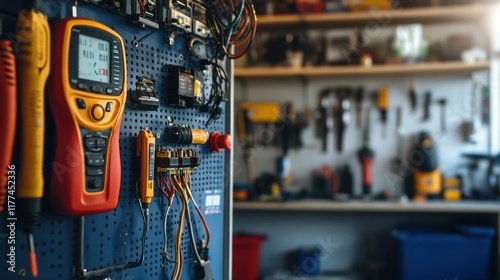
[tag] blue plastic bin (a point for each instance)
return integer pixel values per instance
(461, 254)
(308, 261)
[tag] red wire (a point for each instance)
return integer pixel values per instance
(204, 225)
(243, 28)
(141, 5)
(166, 189)
(202, 218)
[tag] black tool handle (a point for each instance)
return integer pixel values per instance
(427, 106)
(413, 96)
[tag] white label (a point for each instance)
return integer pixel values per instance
(212, 202)
(216, 200)
(209, 201)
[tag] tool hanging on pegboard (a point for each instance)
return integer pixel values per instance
(33, 67)
(87, 106)
(91, 139)
(8, 120)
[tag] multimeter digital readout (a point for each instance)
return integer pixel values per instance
(87, 94)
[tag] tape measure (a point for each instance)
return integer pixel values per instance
(87, 94)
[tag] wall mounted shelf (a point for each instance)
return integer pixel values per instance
(359, 206)
(427, 68)
(427, 15)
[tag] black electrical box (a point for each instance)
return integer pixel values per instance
(181, 88)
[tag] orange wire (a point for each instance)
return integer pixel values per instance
(249, 39)
(244, 27)
(178, 239)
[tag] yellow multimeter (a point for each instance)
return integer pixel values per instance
(87, 93)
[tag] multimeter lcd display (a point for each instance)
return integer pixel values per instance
(93, 59)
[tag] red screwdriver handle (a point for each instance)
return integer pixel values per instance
(8, 113)
(366, 158)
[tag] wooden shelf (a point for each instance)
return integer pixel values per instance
(359, 206)
(427, 15)
(427, 68)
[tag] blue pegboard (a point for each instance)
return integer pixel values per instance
(115, 237)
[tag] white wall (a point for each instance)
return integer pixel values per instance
(455, 88)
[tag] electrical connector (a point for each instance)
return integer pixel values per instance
(203, 271)
(144, 13)
(144, 96)
(170, 159)
(166, 159)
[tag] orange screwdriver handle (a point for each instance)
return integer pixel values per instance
(366, 156)
(8, 111)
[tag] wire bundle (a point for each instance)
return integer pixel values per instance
(220, 85)
(233, 24)
(177, 183)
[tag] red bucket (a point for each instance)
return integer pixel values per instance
(246, 253)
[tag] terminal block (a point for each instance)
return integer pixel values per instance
(188, 158)
(171, 159)
(166, 159)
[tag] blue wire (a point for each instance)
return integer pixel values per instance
(234, 23)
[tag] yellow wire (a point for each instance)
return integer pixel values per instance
(190, 194)
(178, 255)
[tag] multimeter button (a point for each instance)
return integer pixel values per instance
(109, 106)
(95, 159)
(109, 90)
(97, 112)
(96, 88)
(95, 172)
(101, 143)
(83, 86)
(81, 103)
(95, 183)
(90, 142)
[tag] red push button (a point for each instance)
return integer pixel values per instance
(219, 142)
